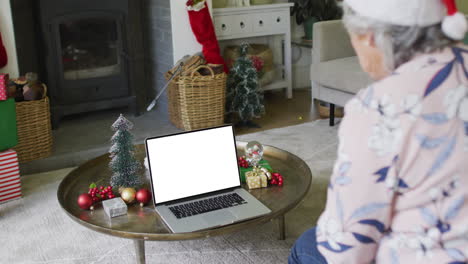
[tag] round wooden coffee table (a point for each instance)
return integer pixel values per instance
(142, 224)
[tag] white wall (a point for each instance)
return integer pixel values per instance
(302, 57)
(183, 40)
(8, 37)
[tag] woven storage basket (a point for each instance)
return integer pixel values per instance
(34, 129)
(189, 65)
(197, 101)
(174, 104)
(324, 111)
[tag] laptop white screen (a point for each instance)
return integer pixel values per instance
(192, 163)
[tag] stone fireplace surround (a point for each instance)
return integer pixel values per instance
(156, 42)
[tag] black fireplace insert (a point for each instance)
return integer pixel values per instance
(93, 55)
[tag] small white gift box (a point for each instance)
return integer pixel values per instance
(114, 207)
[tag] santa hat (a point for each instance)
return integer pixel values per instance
(454, 24)
(415, 13)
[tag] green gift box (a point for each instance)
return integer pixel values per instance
(263, 163)
(8, 132)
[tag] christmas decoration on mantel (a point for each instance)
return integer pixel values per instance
(243, 95)
(123, 163)
(203, 29)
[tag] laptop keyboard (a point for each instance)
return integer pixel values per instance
(207, 205)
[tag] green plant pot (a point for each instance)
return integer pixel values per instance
(219, 3)
(309, 27)
(261, 2)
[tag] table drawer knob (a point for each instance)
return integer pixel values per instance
(242, 25)
(223, 26)
(260, 22)
(278, 19)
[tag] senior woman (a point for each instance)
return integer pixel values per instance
(399, 189)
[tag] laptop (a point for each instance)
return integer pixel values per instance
(195, 180)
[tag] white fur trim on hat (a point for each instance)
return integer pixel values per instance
(401, 12)
(455, 26)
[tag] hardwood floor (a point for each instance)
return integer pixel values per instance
(282, 112)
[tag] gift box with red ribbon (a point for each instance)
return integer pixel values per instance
(10, 184)
(3, 86)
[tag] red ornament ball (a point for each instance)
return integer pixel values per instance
(143, 196)
(85, 201)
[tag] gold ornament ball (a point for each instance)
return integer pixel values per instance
(128, 195)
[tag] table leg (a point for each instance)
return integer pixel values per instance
(288, 64)
(139, 251)
(281, 228)
(332, 114)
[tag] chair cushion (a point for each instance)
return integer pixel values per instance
(343, 74)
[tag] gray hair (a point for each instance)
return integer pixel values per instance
(398, 43)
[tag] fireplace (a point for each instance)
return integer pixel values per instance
(93, 55)
(91, 48)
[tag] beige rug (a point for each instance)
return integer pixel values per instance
(36, 230)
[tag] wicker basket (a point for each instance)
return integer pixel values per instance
(197, 101)
(324, 110)
(190, 64)
(34, 129)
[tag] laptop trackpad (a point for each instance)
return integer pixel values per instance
(220, 217)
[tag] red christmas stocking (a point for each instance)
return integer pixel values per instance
(3, 54)
(203, 29)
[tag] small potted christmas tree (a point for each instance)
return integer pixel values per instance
(125, 167)
(243, 94)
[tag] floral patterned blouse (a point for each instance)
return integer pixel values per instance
(399, 190)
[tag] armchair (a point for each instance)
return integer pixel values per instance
(335, 74)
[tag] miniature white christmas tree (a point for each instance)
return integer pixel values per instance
(243, 95)
(123, 163)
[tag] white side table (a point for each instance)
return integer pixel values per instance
(259, 21)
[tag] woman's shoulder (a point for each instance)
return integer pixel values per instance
(424, 76)
(425, 84)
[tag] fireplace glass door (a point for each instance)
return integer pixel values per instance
(90, 48)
